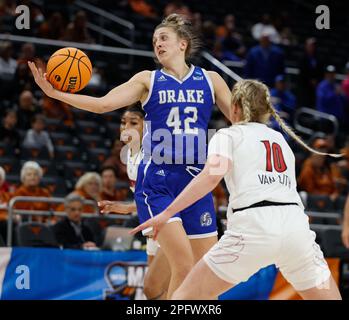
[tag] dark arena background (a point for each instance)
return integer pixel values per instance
(300, 49)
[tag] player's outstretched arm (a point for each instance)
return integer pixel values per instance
(222, 93)
(215, 169)
(121, 96)
(117, 207)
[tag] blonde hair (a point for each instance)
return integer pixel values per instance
(31, 165)
(184, 30)
(86, 178)
(253, 98)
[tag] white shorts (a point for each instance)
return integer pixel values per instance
(152, 247)
(258, 237)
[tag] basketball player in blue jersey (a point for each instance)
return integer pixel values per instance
(178, 100)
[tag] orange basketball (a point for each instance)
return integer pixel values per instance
(69, 70)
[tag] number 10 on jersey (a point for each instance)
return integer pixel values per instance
(275, 155)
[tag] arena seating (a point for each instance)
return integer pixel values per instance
(35, 234)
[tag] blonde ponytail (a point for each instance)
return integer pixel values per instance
(294, 136)
(253, 98)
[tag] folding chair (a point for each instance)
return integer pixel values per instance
(88, 127)
(69, 153)
(34, 153)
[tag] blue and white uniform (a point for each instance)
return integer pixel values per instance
(175, 148)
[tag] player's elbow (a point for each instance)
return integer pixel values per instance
(103, 105)
(212, 179)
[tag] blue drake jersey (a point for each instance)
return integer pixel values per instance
(177, 116)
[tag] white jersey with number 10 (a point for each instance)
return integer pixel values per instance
(263, 165)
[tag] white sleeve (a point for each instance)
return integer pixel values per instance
(221, 144)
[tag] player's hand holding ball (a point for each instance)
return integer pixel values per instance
(68, 70)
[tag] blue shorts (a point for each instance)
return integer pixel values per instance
(156, 188)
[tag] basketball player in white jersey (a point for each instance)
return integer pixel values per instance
(157, 278)
(266, 220)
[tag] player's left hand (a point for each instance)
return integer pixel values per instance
(41, 80)
(156, 223)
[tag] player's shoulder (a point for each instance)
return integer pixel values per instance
(234, 131)
(212, 74)
(143, 77)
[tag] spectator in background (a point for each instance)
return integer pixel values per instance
(283, 99)
(177, 6)
(197, 22)
(109, 190)
(55, 109)
(23, 79)
(89, 187)
(98, 83)
(27, 109)
(228, 26)
(4, 186)
(143, 8)
(8, 8)
(5, 193)
(8, 67)
(114, 160)
(263, 26)
(71, 232)
(8, 131)
(229, 41)
(209, 34)
(310, 74)
(330, 98)
(4, 199)
(28, 53)
(265, 61)
(31, 174)
(8, 64)
(36, 15)
(287, 37)
(281, 23)
(318, 176)
(77, 30)
(345, 82)
(37, 137)
(53, 28)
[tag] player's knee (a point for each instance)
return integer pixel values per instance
(152, 289)
(149, 291)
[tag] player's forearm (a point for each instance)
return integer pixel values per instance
(80, 101)
(132, 207)
(195, 190)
